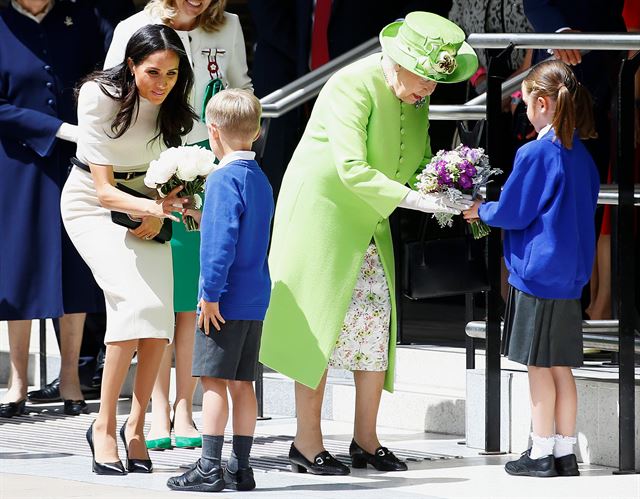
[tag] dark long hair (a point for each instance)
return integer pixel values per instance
(176, 117)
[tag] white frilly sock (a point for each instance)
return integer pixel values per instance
(563, 445)
(542, 446)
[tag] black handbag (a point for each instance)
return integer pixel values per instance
(125, 220)
(443, 267)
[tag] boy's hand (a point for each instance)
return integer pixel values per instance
(209, 313)
(472, 213)
(196, 214)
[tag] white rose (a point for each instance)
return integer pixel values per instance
(162, 169)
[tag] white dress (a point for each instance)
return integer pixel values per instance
(217, 54)
(135, 274)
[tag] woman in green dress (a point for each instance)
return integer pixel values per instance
(331, 259)
(214, 43)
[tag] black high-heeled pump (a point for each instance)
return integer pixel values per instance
(323, 464)
(382, 459)
(134, 465)
(103, 468)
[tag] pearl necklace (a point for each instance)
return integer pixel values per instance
(418, 104)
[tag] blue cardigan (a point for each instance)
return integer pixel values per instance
(547, 209)
(235, 226)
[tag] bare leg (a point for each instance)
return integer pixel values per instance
(116, 366)
(600, 307)
(185, 383)
(593, 286)
(566, 401)
(150, 352)
(19, 339)
(543, 400)
(160, 409)
(215, 406)
(369, 386)
(245, 407)
(308, 412)
(71, 328)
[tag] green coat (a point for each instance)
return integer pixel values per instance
(361, 147)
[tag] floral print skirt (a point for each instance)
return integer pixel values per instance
(363, 343)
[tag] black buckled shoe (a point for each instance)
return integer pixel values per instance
(240, 480)
(196, 479)
(382, 460)
(134, 465)
(75, 407)
(50, 393)
(567, 465)
(323, 464)
(10, 409)
(525, 466)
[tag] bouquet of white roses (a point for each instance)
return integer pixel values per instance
(187, 166)
(460, 171)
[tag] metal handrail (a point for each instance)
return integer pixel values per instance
(590, 41)
(595, 334)
(608, 194)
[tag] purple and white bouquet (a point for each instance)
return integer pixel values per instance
(458, 173)
(187, 166)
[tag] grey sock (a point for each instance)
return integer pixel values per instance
(211, 452)
(240, 455)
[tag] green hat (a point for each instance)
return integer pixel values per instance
(430, 46)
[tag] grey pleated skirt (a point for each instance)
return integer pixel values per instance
(542, 332)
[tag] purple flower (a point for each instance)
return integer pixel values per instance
(465, 182)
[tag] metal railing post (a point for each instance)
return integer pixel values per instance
(625, 256)
(496, 152)
(43, 352)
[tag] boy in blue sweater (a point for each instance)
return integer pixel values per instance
(234, 292)
(547, 212)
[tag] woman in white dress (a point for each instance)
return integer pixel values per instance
(127, 115)
(215, 46)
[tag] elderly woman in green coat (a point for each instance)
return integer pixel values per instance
(331, 259)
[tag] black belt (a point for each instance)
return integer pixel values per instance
(116, 175)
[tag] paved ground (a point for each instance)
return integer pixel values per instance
(44, 456)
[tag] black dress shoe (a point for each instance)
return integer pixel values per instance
(135, 465)
(525, 466)
(382, 460)
(567, 465)
(196, 479)
(75, 407)
(10, 409)
(323, 464)
(103, 468)
(50, 393)
(240, 480)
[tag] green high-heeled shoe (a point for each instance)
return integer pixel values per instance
(188, 442)
(159, 443)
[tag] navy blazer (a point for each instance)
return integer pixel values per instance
(40, 65)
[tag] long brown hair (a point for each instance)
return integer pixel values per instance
(574, 107)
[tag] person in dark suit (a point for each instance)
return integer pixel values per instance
(45, 49)
(284, 52)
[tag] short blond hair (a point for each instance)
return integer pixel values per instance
(236, 112)
(210, 20)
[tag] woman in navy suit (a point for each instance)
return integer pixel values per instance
(45, 49)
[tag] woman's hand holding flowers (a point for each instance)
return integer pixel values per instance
(435, 202)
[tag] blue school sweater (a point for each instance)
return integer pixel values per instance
(235, 227)
(547, 210)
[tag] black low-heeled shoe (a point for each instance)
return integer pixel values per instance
(103, 468)
(75, 407)
(10, 409)
(134, 465)
(382, 460)
(323, 464)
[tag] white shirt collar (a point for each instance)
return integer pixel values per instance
(232, 156)
(544, 131)
(24, 12)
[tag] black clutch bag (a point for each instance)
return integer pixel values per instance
(443, 267)
(125, 220)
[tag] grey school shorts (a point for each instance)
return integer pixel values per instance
(231, 353)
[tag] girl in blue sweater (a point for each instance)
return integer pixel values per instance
(547, 211)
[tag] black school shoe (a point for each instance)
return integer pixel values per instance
(198, 480)
(567, 465)
(525, 466)
(240, 480)
(382, 459)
